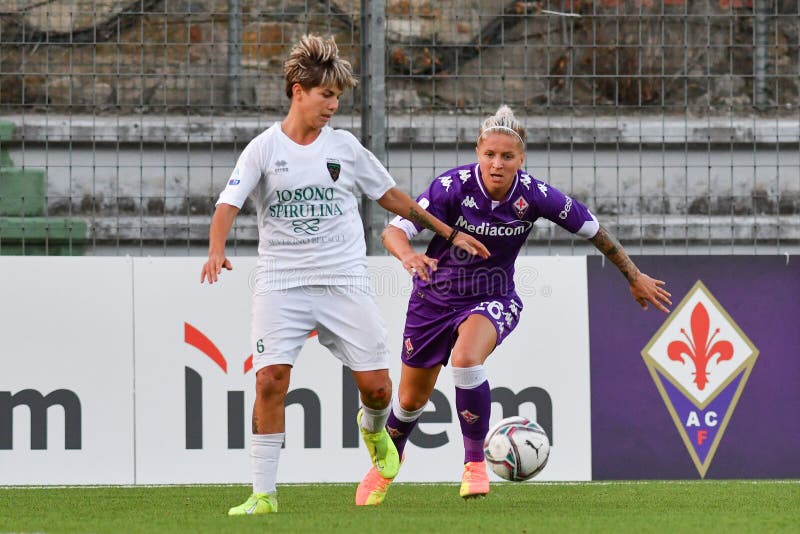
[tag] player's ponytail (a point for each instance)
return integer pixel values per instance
(503, 121)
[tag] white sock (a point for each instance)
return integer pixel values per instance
(373, 420)
(469, 377)
(404, 415)
(264, 452)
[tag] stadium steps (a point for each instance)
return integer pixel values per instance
(24, 227)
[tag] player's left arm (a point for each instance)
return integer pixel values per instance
(403, 205)
(643, 288)
(575, 217)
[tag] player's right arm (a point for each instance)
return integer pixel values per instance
(398, 244)
(401, 204)
(243, 180)
(221, 224)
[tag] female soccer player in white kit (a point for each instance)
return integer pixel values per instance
(302, 175)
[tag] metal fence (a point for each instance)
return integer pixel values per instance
(677, 122)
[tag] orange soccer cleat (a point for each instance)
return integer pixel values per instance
(474, 481)
(372, 489)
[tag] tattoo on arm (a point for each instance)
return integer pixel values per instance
(420, 218)
(612, 249)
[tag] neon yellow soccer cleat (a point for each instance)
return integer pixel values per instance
(474, 481)
(381, 450)
(257, 503)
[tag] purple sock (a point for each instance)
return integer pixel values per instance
(399, 431)
(474, 406)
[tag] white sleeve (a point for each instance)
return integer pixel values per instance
(405, 225)
(245, 175)
(589, 228)
(371, 176)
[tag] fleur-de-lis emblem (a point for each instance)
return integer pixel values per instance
(700, 348)
(700, 402)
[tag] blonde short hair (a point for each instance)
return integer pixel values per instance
(314, 62)
(503, 121)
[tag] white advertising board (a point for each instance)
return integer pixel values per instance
(193, 405)
(66, 371)
(158, 362)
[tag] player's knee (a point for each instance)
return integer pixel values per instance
(462, 357)
(272, 381)
(411, 401)
(378, 395)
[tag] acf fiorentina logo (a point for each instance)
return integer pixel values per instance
(409, 346)
(700, 361)
(520, 206)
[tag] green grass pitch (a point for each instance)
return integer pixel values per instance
(701, 506)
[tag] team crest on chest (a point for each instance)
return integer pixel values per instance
(521, 206)
(334, 168)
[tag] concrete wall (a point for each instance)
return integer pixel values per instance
(713, 181)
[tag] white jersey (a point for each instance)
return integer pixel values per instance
(309, 228)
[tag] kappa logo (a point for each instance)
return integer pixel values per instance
(464, 175)
(526, 180)
(469, 202)
(495, 309)
(700, 361)
(334, 168)
(446, 182)
(542, 188)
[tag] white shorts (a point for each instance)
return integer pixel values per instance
(346, 318)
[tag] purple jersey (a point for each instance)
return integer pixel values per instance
(458, 197)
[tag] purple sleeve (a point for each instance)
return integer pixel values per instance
(435, 200)
(564, 210)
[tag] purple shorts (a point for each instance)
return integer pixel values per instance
(431, 330)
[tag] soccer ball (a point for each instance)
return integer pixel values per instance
(516, 448)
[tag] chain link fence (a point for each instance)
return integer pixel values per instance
(677, 122)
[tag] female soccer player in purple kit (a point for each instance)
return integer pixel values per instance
(462, 307)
